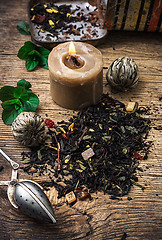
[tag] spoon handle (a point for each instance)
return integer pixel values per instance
(4, 183)
(13, 164)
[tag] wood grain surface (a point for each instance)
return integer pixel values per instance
(102, 218)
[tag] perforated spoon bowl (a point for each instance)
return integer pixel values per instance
(28, 195)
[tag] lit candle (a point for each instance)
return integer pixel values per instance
(76, 75)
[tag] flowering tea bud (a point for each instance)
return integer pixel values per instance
(29, 129)
(123, 74)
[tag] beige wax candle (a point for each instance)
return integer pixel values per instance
(76, 88)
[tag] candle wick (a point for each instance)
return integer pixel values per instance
(74, 60)
(77, 63)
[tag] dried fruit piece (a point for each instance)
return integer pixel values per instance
(88, 154)
(39, 18)
(137, 156)
(49, 123)
(70, 197)
(81, 195)
(131, 106)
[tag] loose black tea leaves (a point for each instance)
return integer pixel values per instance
(114, 140)
(60, 22)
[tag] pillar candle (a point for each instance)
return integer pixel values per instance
(76, 79)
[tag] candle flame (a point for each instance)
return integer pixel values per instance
(72, 50)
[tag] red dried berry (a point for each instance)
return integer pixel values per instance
(137, 156)
(64, 136)
(49, 123)
(40, 18)
(81, 195)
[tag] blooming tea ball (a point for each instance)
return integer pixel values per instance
(123, 74)
(29, 129)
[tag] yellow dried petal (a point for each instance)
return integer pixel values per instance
(71, 127)
(78, 161)
(70, 166)
(100, 126)
(33, 18)
(68, 15)
(88, 146)
(51, 147)
(51, 23)
(55, 11)
(79, 170)
(61, 127)
(67, 158)
(91, 130)
(104, 180)
(49, 10)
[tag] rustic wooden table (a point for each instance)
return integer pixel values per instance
(101, 218)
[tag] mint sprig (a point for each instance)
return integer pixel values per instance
(23, 28)
(16, 100)
(34, 56)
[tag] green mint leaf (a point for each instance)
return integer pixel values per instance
(6, 105)
(34, 56)
(31, 62)
(25, 84)
(17, 99)
(29, 91)
(32, 104)
(29, 45)
(43, 62)
(23, 28)
(9, 116)
(6, 93)
(25, 50)
(35, 53)
(12, 104)
(44, 52)
(21, 93)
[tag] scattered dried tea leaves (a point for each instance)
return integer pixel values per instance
(118, 139)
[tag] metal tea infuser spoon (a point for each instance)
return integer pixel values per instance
(28, 195)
